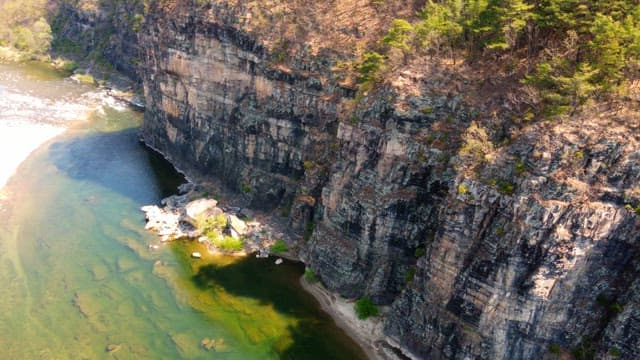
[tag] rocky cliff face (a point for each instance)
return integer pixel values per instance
(483, 247)
(216, 105)
(103, 31)
(550, 266)
(220, 104)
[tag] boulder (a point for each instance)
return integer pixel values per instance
(215, 212)
(174, 201)
(165, 222)
(197, 208)
(246, 214)
(237, 225)
(187, 188)
(111, 348)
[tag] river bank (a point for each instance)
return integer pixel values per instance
(367, 333)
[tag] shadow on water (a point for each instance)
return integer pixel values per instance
(167, 176)
(315, 336)
(117, 161)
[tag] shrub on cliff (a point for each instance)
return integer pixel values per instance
(279, 247)
(310, 275)
(365, 308)
(370, 67)
(228, 243)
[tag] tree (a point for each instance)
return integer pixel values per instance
(42, 36)
(22, 25)
(579, 87)
(631, 26)
(440, 25)
(500, 24)
(514, 17)
(372, 63)
(365, 308)
(606, 47)
(399, 34)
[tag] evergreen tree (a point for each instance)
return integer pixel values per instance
(399, 34)
(607, 49)
(440, 24)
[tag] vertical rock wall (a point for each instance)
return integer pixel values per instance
(219, 107)
(550, 268)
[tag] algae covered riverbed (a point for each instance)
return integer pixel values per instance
(79, 281)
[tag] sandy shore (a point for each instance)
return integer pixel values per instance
(367, 333)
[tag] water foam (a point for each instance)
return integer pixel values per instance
(27, 122)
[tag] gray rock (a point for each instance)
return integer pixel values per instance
(236, 225)
(200, 207)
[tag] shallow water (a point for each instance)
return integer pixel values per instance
(78, 280)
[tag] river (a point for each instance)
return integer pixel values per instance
(77, 278)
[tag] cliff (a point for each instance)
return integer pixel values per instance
(489, 238)
(103, 32)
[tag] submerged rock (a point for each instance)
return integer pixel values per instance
(217, 345)
(111, 348)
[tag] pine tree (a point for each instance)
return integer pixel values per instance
(607, 49)
(440, 25)
(579, 87)
(399, 34)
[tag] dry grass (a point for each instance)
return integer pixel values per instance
(335, 27)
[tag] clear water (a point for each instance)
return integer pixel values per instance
(77, 280)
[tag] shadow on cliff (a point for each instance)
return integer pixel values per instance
(99, 34)
(119, 162)
(315, 337)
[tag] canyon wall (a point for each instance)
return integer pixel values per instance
(220, 104)
(100, 31)
(482, 248)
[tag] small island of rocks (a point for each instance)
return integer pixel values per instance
(189, 215)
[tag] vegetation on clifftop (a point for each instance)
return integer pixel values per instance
(566, 51)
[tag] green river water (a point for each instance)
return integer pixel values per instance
(77, 280)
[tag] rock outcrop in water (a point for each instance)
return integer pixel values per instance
(519, 251)
(189, 216)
